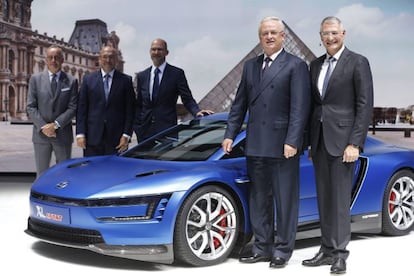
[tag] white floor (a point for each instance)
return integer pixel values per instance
(370, 255)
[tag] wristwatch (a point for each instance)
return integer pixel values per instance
(56, 125)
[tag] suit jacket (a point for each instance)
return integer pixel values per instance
(346, 109)
(97, 116)
(161, 113)
(278, 105)
(43, 107)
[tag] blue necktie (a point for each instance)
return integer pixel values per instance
(156, 84)
(54, 84)
(331, 60)
(106, 85)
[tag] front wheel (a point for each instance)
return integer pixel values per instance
(207, 227)
(398, 204)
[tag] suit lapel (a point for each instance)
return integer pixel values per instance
(63, 82)
(257, 70)
(162, 82)
(274, 69)
(316, 73)
(262, 82)
(145, 86)
(46, 84)
(98, 84)
(338, 70)
(114, 85)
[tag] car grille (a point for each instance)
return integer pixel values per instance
(63, 234)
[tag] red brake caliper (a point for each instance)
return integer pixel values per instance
(223, 224)
(391, 206)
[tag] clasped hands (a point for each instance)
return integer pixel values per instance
(49, 130)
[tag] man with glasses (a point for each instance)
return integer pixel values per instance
(275, 90)
(342, 104)
(106, 108)
(51, 105)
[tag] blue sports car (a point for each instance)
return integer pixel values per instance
(177, 197)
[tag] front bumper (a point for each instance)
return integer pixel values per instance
(92, 240)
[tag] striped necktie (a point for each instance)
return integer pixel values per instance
(331, 60)
(106, 85)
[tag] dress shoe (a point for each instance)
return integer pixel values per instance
(319, 259)
(253, 258)
(277, 262)
(338, 266)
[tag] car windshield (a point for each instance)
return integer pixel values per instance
(195, 140)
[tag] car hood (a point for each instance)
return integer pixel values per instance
(115, 176)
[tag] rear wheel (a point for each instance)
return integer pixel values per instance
(398, 204)
(207, 227)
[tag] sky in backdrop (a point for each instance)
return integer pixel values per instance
(208, 38)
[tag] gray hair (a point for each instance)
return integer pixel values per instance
(272, 18)
(333, 19)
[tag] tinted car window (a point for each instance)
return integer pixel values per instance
(195, 140)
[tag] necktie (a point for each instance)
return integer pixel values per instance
(54, 84)
(156, 85)
(267, 61)
(106, 85)
(331, 60)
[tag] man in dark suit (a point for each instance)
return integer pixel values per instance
(106, 105)
(51, 105)
(342, 103)
(275, 90)
(158, 89)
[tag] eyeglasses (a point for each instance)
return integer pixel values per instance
(333, 33)
(272, 33)
(54, 57)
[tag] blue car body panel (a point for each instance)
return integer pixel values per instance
(135, 202)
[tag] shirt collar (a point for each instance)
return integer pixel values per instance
(161, 67)
(111, 73)
(337, 55)
(274, 56)
(51, 74)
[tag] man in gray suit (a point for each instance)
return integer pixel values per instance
(342, 104)
(275, 89)
(51, 105)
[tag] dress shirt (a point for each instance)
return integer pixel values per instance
(110, 79)
(51, 76)
(324, 68)
(272, 58)
(160, 74)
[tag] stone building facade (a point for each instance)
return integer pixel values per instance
(23, 51)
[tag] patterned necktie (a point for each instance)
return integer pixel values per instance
(106, 85)
(267, 60)
(331, 60)
(156, 84)
(54, 84)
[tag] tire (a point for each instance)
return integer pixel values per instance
(207, 227)
(398, 204)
